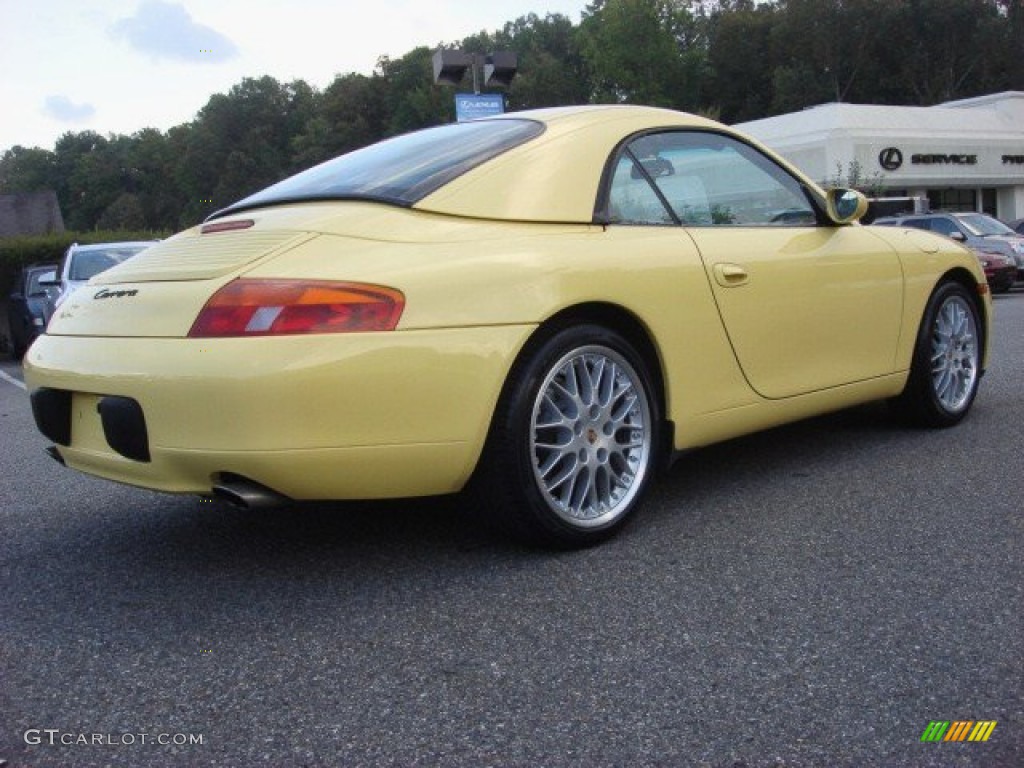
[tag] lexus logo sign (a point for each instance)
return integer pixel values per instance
(890, 158)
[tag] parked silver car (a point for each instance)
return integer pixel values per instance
(83, 262)
(978, 231)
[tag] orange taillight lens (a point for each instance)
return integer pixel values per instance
(255, 307)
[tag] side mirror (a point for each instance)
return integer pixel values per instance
(845, 206)
(959, 236)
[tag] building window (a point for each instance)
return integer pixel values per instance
(988, 201)
(952, 199)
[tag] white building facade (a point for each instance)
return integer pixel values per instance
(962, 155)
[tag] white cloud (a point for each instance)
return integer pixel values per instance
(166, 30)
(88, 50)
(61, 108)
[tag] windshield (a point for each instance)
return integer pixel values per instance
(980, 225)
(401, 170)
(88, 264)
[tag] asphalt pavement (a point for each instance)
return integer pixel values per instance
(815, 595)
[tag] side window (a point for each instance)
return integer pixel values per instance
(917, 223)
(632, 200)
(943, 226)
(713, 180)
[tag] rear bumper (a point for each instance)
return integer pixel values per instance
(320, 417)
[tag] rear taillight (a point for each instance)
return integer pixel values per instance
(253, 307)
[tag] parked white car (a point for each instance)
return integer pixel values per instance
(83, 262)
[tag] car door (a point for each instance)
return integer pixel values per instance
(948, 227)
(807, 305)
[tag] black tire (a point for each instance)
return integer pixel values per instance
(574, 441)
(946, 367)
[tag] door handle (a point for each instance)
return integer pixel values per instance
(730, 275)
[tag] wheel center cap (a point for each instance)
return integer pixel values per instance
(592, 436)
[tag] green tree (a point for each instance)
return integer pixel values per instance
(1013, 12)
(76, 199)
(948, 49)
(740, 63)
(878, 52)
(239, 143)
(349, 114)
(411, 100)
(822, 49)
(124, 213)
(643, 51)
(98, 175)
(27, 169)
(551, 68)
(151, 162)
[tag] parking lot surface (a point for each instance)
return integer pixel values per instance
(816, 595)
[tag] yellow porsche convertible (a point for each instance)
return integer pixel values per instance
(542, 307)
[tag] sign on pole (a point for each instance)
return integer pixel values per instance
(469, 106)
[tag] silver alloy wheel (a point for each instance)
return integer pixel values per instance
(590, 436)
(954, 354)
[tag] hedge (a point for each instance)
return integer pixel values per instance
(16, 252)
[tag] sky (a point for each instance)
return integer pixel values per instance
(117, 66)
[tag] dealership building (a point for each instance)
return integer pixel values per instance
(963, 155)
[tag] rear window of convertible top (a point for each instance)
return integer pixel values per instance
(401, 170)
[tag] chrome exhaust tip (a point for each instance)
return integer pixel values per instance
(242, 493)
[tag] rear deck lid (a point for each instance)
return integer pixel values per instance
(194, 255)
